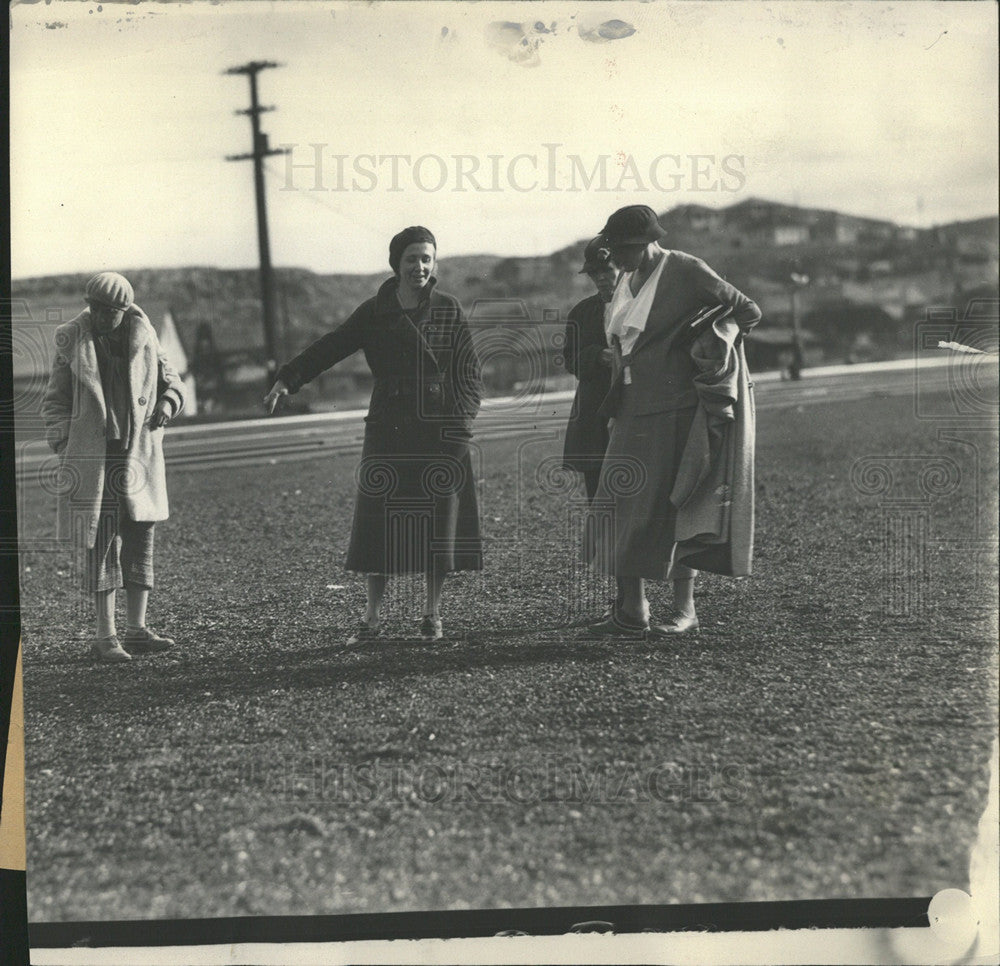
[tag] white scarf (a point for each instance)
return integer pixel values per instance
(626, 315)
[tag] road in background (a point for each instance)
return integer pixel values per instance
(273, 439)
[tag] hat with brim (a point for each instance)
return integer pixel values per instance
(633, 225)
(596, 256)
(110, 289)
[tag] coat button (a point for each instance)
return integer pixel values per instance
(142, 400)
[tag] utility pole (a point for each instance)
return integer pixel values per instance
(257, 155)
(798, 361)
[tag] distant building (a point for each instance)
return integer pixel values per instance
(173, 348)
(771, 222)
(698, 218)
(791, 234)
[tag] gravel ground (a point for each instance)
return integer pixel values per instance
(807, 744)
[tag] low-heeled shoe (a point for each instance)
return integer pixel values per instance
(676, 623)
(145, 641)
(618, 625)
(108, 650)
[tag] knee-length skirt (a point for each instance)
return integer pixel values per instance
(416, 505)
(630, 526)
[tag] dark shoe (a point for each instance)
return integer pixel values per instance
(362, 633)
(431, 629)
(109, 651)
(145, 641)
(589, 621)
(618, 625)
(615, 604)
(676, 623)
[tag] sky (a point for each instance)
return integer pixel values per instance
(507, 128)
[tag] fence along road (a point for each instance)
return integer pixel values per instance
(276, 438)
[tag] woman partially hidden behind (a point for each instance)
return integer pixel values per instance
(416, 509)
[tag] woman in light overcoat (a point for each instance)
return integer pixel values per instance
(110, 393)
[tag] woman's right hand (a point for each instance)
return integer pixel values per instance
(606, 357)
(278, 390)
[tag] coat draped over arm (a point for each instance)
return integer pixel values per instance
(714, 488)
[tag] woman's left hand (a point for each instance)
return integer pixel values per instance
(163, 412)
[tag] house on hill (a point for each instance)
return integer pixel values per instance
(696, 218)
(173, 346)
(774, 223)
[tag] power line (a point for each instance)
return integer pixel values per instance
(317, 199)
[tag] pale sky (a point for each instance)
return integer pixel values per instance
(121, 120)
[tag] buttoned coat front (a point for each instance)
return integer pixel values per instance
(75, 417)
(416, 500)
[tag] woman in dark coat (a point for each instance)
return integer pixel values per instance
(416, 509)
(589, 359)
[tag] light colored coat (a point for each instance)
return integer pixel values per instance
(714, 488)
(76, 425)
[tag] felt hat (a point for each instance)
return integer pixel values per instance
(633, 225)
(596, 255)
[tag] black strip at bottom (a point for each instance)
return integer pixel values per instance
(713, 917)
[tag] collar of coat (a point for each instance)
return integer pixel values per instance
(436, 305)
(136, 323)
(76, 339)
(83, 358)
(387, 298)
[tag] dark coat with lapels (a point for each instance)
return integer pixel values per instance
(587, 430)
(416, 502)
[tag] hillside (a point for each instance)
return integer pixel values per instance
(756, 244)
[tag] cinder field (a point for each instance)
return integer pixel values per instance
(811, 742)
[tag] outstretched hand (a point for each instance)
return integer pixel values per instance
(278, 390)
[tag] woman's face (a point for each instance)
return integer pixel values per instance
(628, 256)
(605, 278)
(105, 318)
(417, 265)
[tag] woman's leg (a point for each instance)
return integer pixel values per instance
(136, 599)
(683, 578)
(104, 601)
(684, 595)
(103, 572)
(435, 576)
(683, 620)
(137, 567)
(376, 591)
(634, 605)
